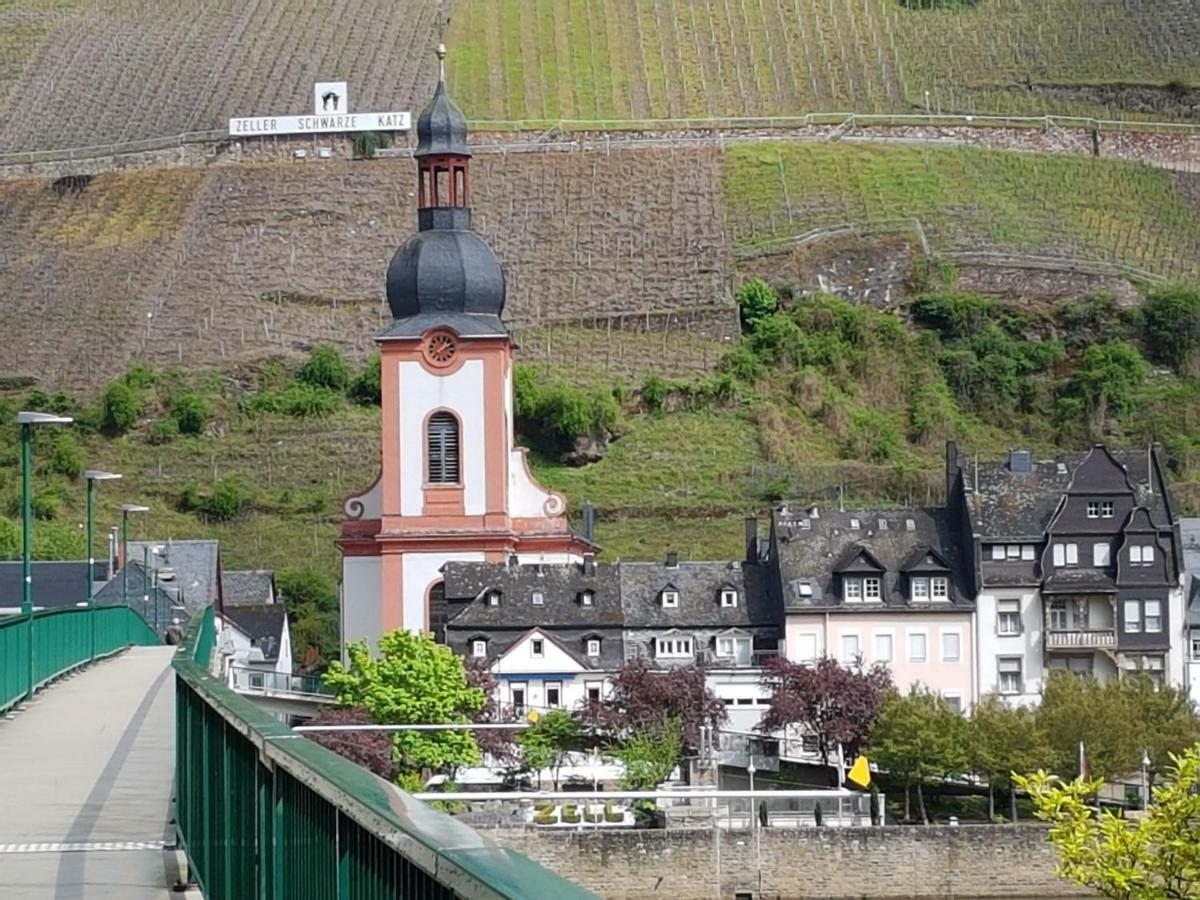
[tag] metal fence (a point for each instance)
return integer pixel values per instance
(264, 813)
(63, 639)
(245, 679)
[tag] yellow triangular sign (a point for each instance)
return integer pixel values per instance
(533, 716)
(860, 772)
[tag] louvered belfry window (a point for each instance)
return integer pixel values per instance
(442, 448)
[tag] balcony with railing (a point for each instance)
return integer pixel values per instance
(1081, 639)
(248, 680)
(1080, 623)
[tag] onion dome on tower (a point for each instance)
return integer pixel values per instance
(444, 276)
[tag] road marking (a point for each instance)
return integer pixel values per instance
(87, 847)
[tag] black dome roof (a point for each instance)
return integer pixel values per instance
(440, 272)
(441, 126)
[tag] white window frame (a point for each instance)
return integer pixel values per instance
(889, 637)
(1028, 551)
(729, 598)
(479, 648)
(673, 648)
(1019, 671)
(920, 589)
(1002, 613)
(909, 649)
(538, 598)
(957, 635)
(852, 590)
(1060, 555)
(1195, 647)
(1133, 623)
(939, 588)
(1101, 554)
(551, 686)
(597, 686)
(1107, 508)
(537, 648)
(1141, 555)
(801, 638)
(873, 589)
(1093, 509)
(587, 598)
(997, 552)
(493, 598)
(853, 636)
(1012, 551)
(725, 648)
(1156, 618)
(1072, 554)
(593, 647)
(670, 599)
(953, 699)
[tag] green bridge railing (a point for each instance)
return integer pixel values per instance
(264, 813)
(62, 641)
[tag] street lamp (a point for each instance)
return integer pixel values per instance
(27, 420)
(91, 476)
(126, 509)
(750, 770)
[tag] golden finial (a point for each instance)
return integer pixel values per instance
(441, 55)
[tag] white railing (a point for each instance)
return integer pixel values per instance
(1086, 638)
(247, 680)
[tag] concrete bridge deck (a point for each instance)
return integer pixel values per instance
(85, 784)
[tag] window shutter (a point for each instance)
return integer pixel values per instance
(443, 449)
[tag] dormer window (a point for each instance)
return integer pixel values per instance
(674, 647)
(479, 648)
(587, 598)
(920, 590)
(493, 598)
(593, 646)
(855, 524)
(538, 598)
(1100, 509)
(670, 598)
(852, 590)
(1141, 555)
(939, 586)
(729, 598)
(871, 589)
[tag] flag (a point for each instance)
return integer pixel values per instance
(860, 772)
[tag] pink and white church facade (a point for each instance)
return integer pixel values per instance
(452, 484)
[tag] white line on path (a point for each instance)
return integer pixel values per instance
(87, 847)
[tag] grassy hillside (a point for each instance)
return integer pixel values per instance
(968, 199)
(621, 59)
(82, 72)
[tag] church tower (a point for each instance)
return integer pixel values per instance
(452, 484)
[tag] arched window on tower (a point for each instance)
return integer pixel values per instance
(439, 612)
(442, 448)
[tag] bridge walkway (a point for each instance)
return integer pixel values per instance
(85, 783)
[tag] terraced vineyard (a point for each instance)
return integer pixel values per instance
(84, 72)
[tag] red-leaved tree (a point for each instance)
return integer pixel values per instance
(644, 699)
(497, 743)
(369, 749)
(836, 704)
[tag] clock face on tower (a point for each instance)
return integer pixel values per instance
(440, 348)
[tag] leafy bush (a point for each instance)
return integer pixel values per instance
(120, 406)
(953, 315)
(325, 368)
(367, 387)
(66, 455)
(756, 301)
(140, 376)
(162, 431)
(562, 412)
(190, 499)
(1107, 376)
(300, 400)
(367, 142)
(873, 436)
(1173, 327)
(654, 392)
(229, 498)
(190, 412)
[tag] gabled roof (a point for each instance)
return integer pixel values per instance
(925, 559)
(196, 564)
(139, 585)
(857, 558)
(263, 624)
(699, 585)
(252, 586)
(54, 583)
(580, 659)
(809, 551)
(1017, 505)
(560, 585)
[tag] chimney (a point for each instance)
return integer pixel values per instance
(513, 561)
(589, 564)
(672, 559)
(112, 553)
(751, 539)
(1020, 461)
(589, 521)
(814, 512)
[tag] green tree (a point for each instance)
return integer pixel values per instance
(649, 757)
(756, 301)
(10, 539)
(120, 406)
(1003, 739)
(325, 368)
(1106, 378)
(367, 387)
(917, 737)
(190, 412)
(413, 680)
(1172, 318)
(1154, 858)
(66, 456)
(545, 744)
(311, 597)
(229, 498)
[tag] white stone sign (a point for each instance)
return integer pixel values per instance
(331, 115)
(330, 97)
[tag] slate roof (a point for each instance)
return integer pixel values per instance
(560, 586)
(253, 586)
(808, 550)
(1086, 579)
(55, 583)
(1189, 530)
(1019, 505)
(699, 585)
(263, 623)
(196, 565)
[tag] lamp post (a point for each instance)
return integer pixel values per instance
(150, 588)
(1145, 781)
(126, 509)
(91, 476)
(750, 770)
(27, 420)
